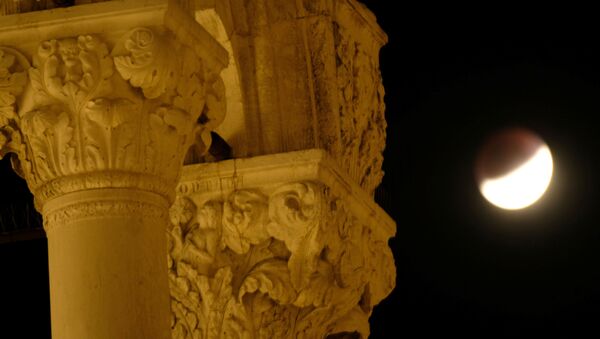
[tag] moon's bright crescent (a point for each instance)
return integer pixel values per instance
(524, 185)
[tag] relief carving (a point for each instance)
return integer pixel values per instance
(289, 262)
(14, 68)
(135, 109)
(13, 79)
(94, 209)
(362, 109)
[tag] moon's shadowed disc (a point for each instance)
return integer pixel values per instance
(506, 151)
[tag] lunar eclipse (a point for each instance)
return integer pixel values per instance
(514, 168)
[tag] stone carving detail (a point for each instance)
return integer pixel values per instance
(94, 209)
(13, 79)
(362, 109)
(135, 109)
(289, 262)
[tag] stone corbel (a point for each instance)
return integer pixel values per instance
(277, 246)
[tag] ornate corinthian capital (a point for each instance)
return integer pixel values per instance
(89, 112)
(278, 246)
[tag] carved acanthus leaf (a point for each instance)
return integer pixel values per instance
(71, 81)
(270, 277)
(13, 78)
(244, 286)
(320, 290)
(81, 116)
(205, 307)
(222, 314)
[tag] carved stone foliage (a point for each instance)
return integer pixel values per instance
(13, 79)
(362, 109)
(285, 262)
(134, 109)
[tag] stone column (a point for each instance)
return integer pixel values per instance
(107, 269)
(100, 111)
(102, 101)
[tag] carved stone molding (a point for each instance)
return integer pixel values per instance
(279, 246)
(94, 116)
(103, 203)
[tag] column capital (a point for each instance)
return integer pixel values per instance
(277, 246)
(116, 109)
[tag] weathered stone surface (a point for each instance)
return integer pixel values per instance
(277, 246)
(310, 77)
(100, 118)
(101, 102)
(124, 115)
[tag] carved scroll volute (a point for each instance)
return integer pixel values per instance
(128, 112)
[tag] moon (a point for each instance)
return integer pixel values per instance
(514, 168)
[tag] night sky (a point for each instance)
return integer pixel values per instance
(464, 267)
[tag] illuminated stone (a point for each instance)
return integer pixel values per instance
(103, 103)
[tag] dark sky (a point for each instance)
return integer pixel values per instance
(465, 268)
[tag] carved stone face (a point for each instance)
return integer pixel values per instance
(69, 52)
